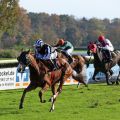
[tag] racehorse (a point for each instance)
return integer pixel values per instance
(100, 65)
(78, 66)
(40, 77)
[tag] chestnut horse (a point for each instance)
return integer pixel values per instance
(40, 77)
(101, 66)
(79, 67)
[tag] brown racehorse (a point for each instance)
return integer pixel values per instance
(79, 67)
(101, 66)
(40, 77)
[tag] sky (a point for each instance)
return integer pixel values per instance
(78, 8)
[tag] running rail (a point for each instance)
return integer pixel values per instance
(8, 63)
(14, 62)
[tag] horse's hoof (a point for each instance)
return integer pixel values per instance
(51, 110)
(113, 83)
(88, 89)
(109, 84)
(44, 101)
(20, 107)
(117, 83)
(50, 100)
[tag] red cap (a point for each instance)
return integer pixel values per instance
(92, 47)
(101, 38)
(61, 42)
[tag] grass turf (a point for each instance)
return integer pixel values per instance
(101, 102)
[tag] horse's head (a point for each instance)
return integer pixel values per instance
(23, 60)
(96, 50)
(78, 63)
(92, 48)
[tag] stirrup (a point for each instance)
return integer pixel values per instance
(55, 66)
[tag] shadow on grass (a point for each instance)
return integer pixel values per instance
(5, 111)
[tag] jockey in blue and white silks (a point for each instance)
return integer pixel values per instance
(44, 51)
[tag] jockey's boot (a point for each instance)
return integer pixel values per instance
(54, 63)
(70, 60)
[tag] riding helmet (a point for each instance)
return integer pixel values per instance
(39, 43)
(101, 38)
(61, 42)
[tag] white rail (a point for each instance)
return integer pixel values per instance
(8, 61)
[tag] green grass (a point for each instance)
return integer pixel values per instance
(80, 51)
(101, 102)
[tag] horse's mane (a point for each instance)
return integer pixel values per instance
(117, 52)
(82, 59)
(33, 62)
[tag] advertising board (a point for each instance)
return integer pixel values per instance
(11, 79)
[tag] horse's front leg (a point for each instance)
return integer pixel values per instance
(22, 99)
(107, 78)
(45, 88)
(28, 89)
(95, 73)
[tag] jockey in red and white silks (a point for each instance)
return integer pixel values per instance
(106, 46)
(105, 43)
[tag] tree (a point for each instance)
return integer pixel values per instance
(9, 12)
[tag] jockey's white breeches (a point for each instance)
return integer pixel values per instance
(53, 55)
(69, 51)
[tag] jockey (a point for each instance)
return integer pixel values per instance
(44, 51)
(66, 47)
(106, 46)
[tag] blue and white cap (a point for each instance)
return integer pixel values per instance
(39, 43)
